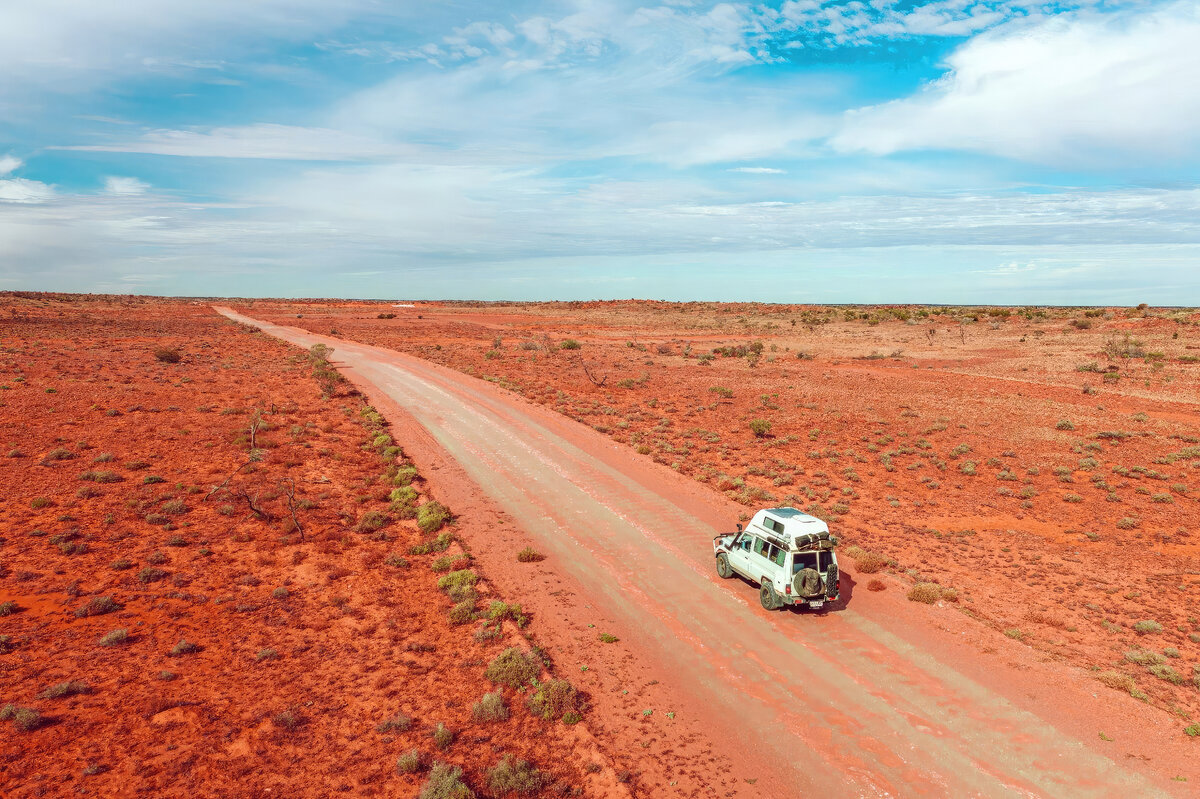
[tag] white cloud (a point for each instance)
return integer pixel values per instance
(257, 141)
(9, 164)
(1070, 90)
(759, 170)
(124, 187)
(19, 190)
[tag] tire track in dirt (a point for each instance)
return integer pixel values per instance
(835, 704)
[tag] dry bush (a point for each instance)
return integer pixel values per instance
(869, 563)
(876, 585)
(927, 593)
(1115, 679)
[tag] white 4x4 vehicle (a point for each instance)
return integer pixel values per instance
(788, 553)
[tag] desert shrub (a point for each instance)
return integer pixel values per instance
(432, 516)
(97, 606)
(530, 555)
(59, 454)
(371, 522)
(1128, 523)
(1147, 626)
(6, 644)
(490, 708)
(410, 762)
(1115, 679)
(513, 668)
(289, 720)
(869, 562)
(115, 637)
(9, 608)
(184, 647)
(23, 718)
(554, 699)
(167, 355)
(927, 593)
(760, 427)
(1144, 657)
(1192, 730)
(499, 611)
(721, 391)
(457, 579)
(1064, 424)
(37, 503)
(150, 574)
(70, 688)
(569, 344)
(156, 558)
(397, 723)
(513, 775)
(1165, 672)
(876, 585)
(442, 736)
(445, 782)
(608, 638)
(462, 612)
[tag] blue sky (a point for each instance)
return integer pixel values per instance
(958, 151)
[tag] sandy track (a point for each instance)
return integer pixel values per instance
(831, 703)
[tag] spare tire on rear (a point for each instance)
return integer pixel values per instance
(807, 583)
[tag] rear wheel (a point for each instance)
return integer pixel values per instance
(768, 597)
(724, 570)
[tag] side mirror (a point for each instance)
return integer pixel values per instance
(739, 528)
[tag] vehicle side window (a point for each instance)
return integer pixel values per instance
(759, 545)
(744, 543)
(777, 556)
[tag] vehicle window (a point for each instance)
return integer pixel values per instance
(777, 556)
(804, 560)
(758, 546)
(771, 524)
(744, 543)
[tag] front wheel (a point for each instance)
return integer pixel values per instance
(724, 570)
(768, 597)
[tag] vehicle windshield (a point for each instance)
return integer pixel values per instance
(805, 560)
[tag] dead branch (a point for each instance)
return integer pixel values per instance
(225, 482)
(265, 515)
(289, 488)
(597, 384)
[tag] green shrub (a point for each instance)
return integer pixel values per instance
(513, 775)
(410, 762)
(1165, 672)
(1144, 657)
(569, 344)
(462, 612)
(1192, 731)
(23, 718)
(490, 708)
(445, 782)
(499, 611)
(151, 574)
(457, 579)
(608, 638)
(513, 668)
(1064, 424)
(554, 699)
(442, 736)
(1147, 626)
(760, 427)
(1128, 523)
(432, 516)
(371, 521)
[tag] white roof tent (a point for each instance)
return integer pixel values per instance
(790, 529)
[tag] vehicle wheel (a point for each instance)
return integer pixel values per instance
(807, 583)
(767, 596)
(724, 570)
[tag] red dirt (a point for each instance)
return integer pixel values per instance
(288, 686)
(1022, 564)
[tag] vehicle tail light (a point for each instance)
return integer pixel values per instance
(787, 589)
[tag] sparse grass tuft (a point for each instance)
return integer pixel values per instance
(115, 637)
(410, 762)
(490, 708)
(927, 593)
(69, 688)
(442, 736)
(1147, 626)
(530, 555)
(97, 606)
(397, 723)
(184, 647)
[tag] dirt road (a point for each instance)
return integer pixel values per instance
(835, 704)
